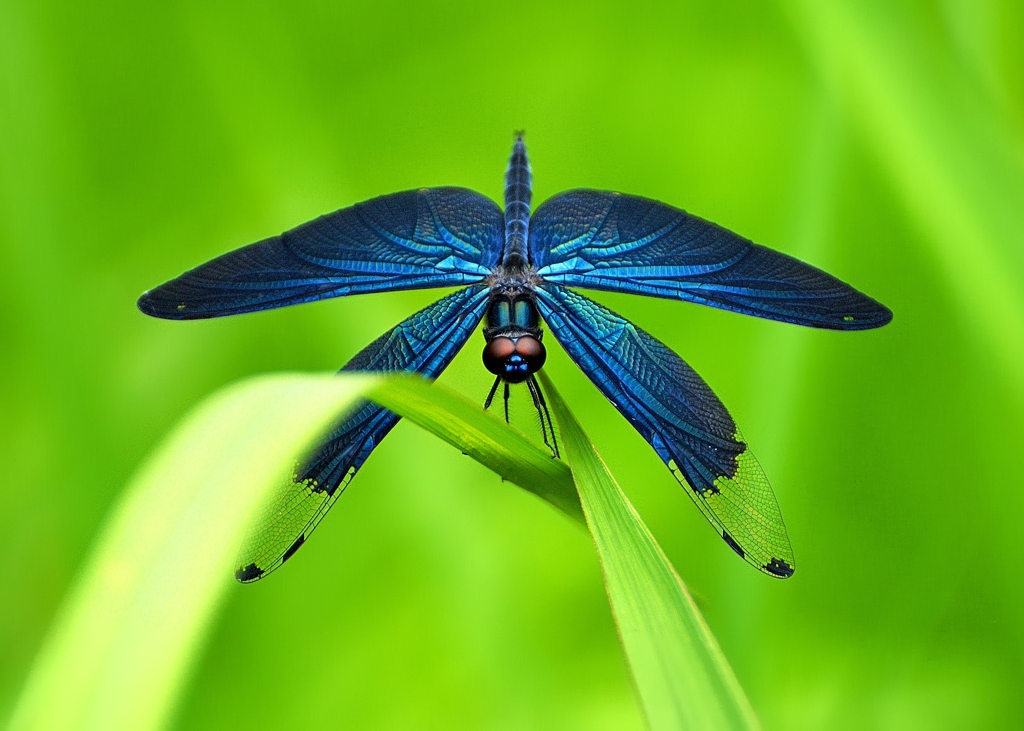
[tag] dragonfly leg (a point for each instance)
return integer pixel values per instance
(490, 396)
(546, 424)
(531, 384)
(506, 402)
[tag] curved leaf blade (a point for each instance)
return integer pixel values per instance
(135, 620)
(482, 436)
(681, 674)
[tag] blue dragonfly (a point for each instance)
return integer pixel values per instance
(516, 270)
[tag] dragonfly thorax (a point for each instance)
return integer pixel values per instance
(514, 351)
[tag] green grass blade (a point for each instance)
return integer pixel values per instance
(482, 436)
(946, 144)
(135, 621)
(682, 677)
(137, 615)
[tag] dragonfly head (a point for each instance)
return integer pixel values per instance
(514, 358)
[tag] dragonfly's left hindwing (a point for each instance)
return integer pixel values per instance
(425, 343)
(679, 415)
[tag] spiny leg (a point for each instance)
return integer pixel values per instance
(490, 396)
(506, 402)
(551, 423)
(532, 385)
(545, 416)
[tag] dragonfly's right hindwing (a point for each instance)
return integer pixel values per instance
(680, 416)
(424, 343)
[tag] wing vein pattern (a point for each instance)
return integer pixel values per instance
(678, 414)
(433, 237)
(425, 343)
(623, 243)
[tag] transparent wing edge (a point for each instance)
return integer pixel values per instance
(725, 499)
(446, 324)
(255, 561)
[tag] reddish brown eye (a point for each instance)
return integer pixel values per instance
(496, 353)
(532, 352)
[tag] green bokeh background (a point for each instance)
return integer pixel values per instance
(883, 141)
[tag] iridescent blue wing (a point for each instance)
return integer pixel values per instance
(432, 237)
(674, 410)
(623, 243)
(424, 343)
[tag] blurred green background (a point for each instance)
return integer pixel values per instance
(883, 141)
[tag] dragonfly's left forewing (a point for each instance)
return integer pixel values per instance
(432, 237)
(679, 415)
(425, 343)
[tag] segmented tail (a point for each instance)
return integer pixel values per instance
(518, 194)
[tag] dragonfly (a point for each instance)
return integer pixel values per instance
(517, 270)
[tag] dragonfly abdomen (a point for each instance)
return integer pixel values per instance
(518, 195)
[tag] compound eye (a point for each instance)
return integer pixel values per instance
(496, 353)
(532, 351)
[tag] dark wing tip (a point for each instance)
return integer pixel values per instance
(175, 300)
(161, 303)
(145, 304)
(249, 574)
(868, 317)
(778, 568)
